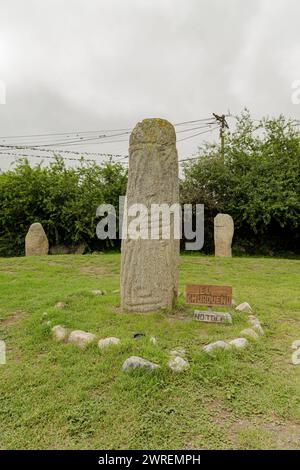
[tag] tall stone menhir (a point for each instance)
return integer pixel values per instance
(149, 268)
(36, 241)
(223, 234)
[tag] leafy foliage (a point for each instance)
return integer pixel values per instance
(257, 183)
(63, 199)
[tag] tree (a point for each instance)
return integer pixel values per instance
(258, 183)
(64, 200)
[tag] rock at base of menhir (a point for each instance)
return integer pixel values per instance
(217, 345)
(135, 362)
(81, 338)
(250, 333)
(103, 343)
(239, 343)
(181, 352)
(98, 292)
(296, 344)
(178, 364)
(60, 305)
(59, 333)
(255, 323)
(36, 241)
(244, 308)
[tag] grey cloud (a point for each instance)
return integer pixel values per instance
(109, 63)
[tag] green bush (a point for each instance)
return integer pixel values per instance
(257, 183)
(64, 200)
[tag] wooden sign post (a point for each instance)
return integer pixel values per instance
(221, 296)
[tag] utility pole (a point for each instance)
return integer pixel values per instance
(223, 125)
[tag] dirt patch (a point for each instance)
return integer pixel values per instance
(7, 271)
(57, 263)
(179, 315)
(16, 317)
(196, 261)
(284, 434)
(95, 270)
(218, 412)
(174, 316)
(287, 320)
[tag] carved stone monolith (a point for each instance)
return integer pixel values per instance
(36, 241)
(223, 234)
(149, 264)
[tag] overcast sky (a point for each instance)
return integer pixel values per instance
(83, 65)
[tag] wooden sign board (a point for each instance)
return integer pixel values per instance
(197, 294)
(212, 317)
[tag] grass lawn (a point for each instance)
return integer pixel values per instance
(55, 396)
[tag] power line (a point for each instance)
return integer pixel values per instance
(77, 133)
(82, 139)
(198, 133)
(191, 122)
(72, 142)
(82, 160)
(65, 133)
(83, 136)
(19, 155)
(195, 128)
(57, 152)
(20, 147)
(6, 149)
(189, 159)
(101, 139)
(93, 143)
(49, 157)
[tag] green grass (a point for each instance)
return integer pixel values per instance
(54, 396)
